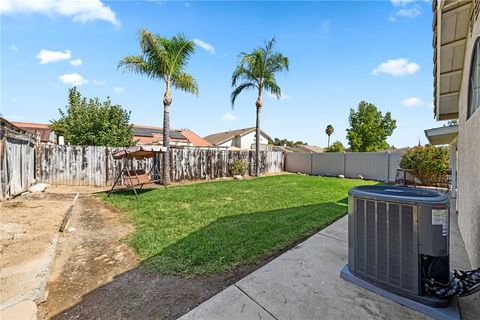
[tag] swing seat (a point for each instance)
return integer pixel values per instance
(134, 178)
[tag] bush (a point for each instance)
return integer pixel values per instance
(429, 164)
(238, 167)
(337, 146)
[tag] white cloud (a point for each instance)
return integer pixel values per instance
(13, 47)
(401, 2)
(47, 56)
(187, 4)
(206, 46)
(76, 62)
(396, 67)
(412, 102)
(99, 82)
(409, 12)
(73, 79)
(284, 96)
(79, 10)
(229, 117)
(118, 89)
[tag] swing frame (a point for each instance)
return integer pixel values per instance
(135, 179)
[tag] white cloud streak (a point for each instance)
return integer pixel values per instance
(73, 79)
(13, 47)
(206, 46)
(229, 117)
(118, 89)
(284, 96)
(396, 67)
(76, 62)
(99, 82)
(412, 102)
(47, 56)
(79, 10)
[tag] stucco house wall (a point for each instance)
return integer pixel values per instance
(244, 142)
(468, 144)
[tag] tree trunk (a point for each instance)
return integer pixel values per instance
(328, 141)
(257, 143)
(167, 101)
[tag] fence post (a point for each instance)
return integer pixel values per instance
(106, 166)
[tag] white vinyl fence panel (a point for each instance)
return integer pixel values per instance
(381, 166)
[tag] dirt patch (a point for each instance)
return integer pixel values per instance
(89, 254)
(28, 229)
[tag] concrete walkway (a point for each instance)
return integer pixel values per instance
(303, 283)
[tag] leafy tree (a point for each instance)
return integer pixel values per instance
(91, 122)
(256, 70)
(329, 130)
(429, 164)
(288, 143)
(369, 129)
(164, 59)
(337, 146)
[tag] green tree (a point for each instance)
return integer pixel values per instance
(337, 146)
(430, 164)
(256, 70)
(369, 129)
(165, 60)
(91, 122)
(329, 130)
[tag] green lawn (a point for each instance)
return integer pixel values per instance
(212, 227)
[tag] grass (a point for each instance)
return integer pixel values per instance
(213, 227)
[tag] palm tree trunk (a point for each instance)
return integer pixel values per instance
(257, 143)
(167, 101)
(328, 141)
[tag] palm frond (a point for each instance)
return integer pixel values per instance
(270, 85)
(135, 64)
(243, 86)
(185, 82)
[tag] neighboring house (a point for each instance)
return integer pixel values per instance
(241, 139)
(456, 45)
(41, 131)
(148, 135)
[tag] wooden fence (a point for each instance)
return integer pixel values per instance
(17, 164)
(95, 166)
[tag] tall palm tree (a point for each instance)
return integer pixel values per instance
(256, 70)
(329, 130)
(165, 60)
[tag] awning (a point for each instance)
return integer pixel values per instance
(442, 135)
(450, 27)
(138, 152)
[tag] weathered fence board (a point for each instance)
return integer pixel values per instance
(17, 166)
(95, 166)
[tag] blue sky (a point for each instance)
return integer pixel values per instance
(340, 53)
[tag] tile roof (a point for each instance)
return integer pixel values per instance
(41, 130)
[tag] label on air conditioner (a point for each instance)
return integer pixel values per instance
(440, 217)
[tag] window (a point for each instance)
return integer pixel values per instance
(474, 81)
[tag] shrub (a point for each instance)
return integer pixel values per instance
(238, 167)
(429, 164)
(337, 146)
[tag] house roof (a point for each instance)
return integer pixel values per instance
(309, 148)
(221, 137)
(154, 135)
(450, 30)
(41, 130)
(442, 135)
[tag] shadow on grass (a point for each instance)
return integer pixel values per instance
(204, 263)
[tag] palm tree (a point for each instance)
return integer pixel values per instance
(329, 130)
(165, 60)
(256, 70)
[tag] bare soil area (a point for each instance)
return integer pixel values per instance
(89, 254)
(97, 276)
(28, 230)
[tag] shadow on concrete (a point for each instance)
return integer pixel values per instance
(142, 294)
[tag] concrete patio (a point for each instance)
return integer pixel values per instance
(304, 283)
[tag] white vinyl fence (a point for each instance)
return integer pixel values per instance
(381, 166)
